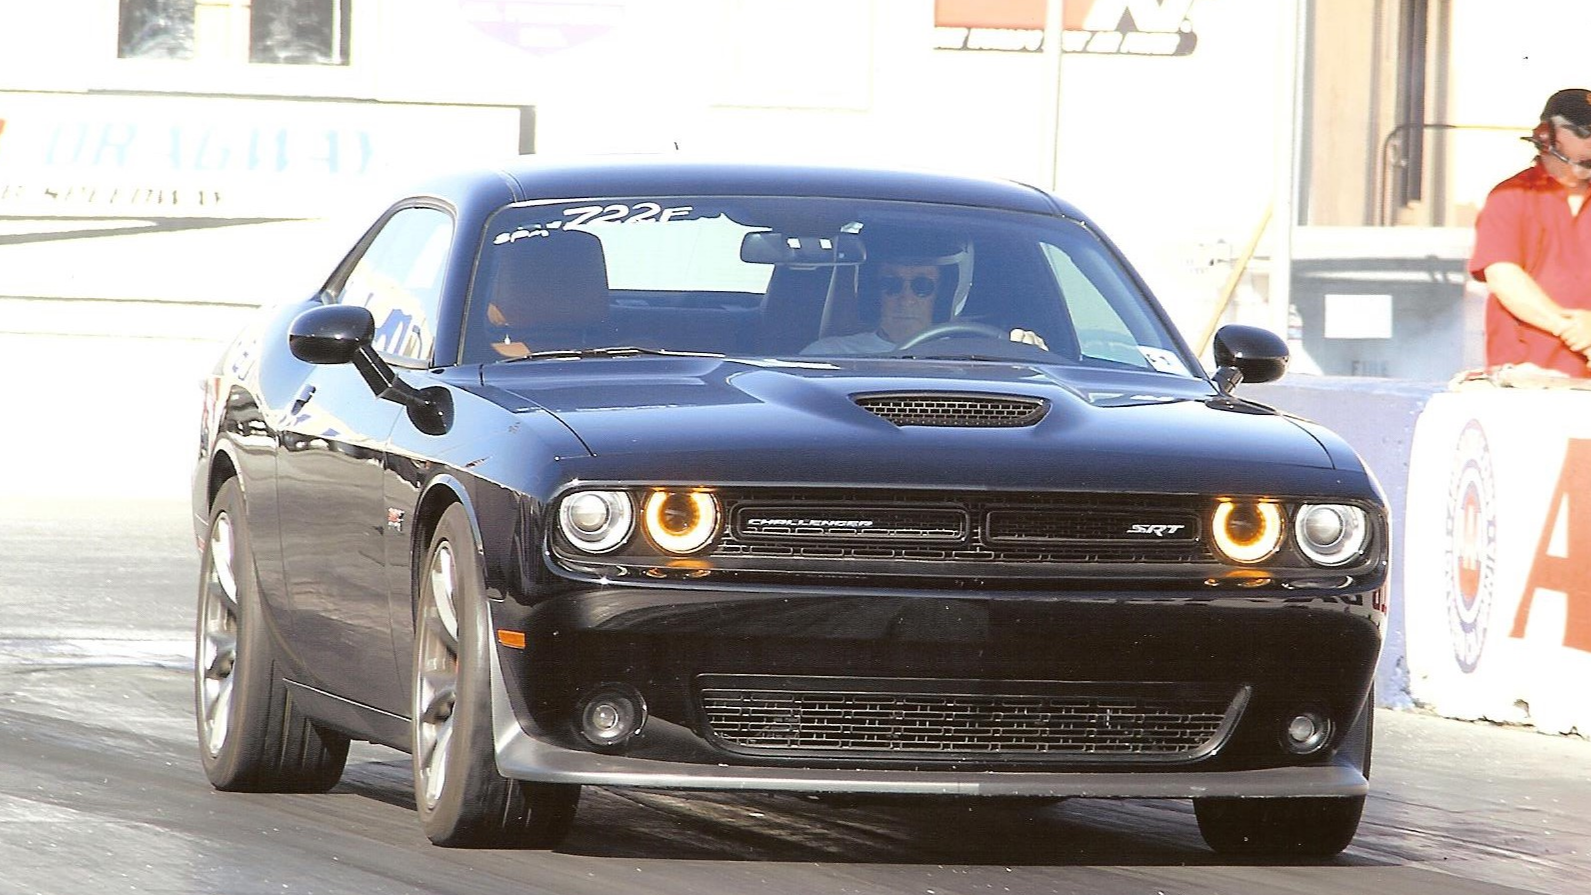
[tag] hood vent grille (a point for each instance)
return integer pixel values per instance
(953, 409)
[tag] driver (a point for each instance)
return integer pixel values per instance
(907, 292)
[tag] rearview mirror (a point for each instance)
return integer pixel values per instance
(767, 247)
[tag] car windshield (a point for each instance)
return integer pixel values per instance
(807, 278)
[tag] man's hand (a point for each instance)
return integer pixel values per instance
(1576, 331)
(1029, 337)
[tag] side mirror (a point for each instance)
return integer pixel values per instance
(331, 334)
(340, 334)
(1247, 354)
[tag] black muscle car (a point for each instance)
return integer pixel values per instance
(668, 474)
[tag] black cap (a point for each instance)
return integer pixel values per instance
(1572, 105)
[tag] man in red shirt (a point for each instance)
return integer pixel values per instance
(1533, 247)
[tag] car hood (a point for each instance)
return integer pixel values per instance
(715, 419)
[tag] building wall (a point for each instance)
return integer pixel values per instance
(1351, 108)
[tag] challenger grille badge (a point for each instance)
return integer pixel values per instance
(760, 522)
(868, 523)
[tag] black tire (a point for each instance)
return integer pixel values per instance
(251, 738)
(462, 800)
(1291, 827)
(1287, 828)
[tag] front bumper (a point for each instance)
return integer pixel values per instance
(523, 757)
(1287, 650)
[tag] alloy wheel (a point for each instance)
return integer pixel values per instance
(437, 686)
(218, 637)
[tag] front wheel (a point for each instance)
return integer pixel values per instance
(1297, 827)
(463, 801)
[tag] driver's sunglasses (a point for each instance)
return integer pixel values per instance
(921, 286)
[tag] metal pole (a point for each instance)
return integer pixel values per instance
(1289, 109)
(1054, 36)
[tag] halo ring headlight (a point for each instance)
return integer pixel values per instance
(680, 522)
(1247, 531)
(596, 521)
(1331, 534)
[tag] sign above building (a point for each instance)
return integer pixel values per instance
(1099, 27)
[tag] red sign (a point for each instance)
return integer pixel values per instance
(1562, 555)
(1107, 27)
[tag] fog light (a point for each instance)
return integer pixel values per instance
(610, 716)
(1307, 733)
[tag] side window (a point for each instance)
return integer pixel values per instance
(1113, 322)
(1101, 331)
(399, 279)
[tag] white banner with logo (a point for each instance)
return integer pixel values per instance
(187, 156)
(1497, 557)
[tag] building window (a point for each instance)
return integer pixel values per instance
(279, 32)
(299, 32)
(155, 29)
(1412, 54)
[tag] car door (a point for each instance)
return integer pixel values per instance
(331, 463)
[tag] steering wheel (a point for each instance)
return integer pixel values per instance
(951, 327)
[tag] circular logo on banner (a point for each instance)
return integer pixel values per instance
(1471, 554)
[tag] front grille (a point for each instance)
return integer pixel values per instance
(1011, 530)
(950, 720)
(953, 409)
(1095, 524)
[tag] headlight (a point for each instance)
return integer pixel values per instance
(1331, 534)
(680, 521)
(1247, 531)
(596, 521)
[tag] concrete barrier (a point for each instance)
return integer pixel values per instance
(1497, 571)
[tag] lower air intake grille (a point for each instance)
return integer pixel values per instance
(951, 409)
(950, 725)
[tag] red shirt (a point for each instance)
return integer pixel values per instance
(1527, 220)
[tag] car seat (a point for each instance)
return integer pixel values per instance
(548, 291)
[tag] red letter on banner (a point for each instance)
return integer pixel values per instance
(1568, 574)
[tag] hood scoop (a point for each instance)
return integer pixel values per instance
(954, 409)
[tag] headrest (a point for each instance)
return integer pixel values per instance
(560, 279)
